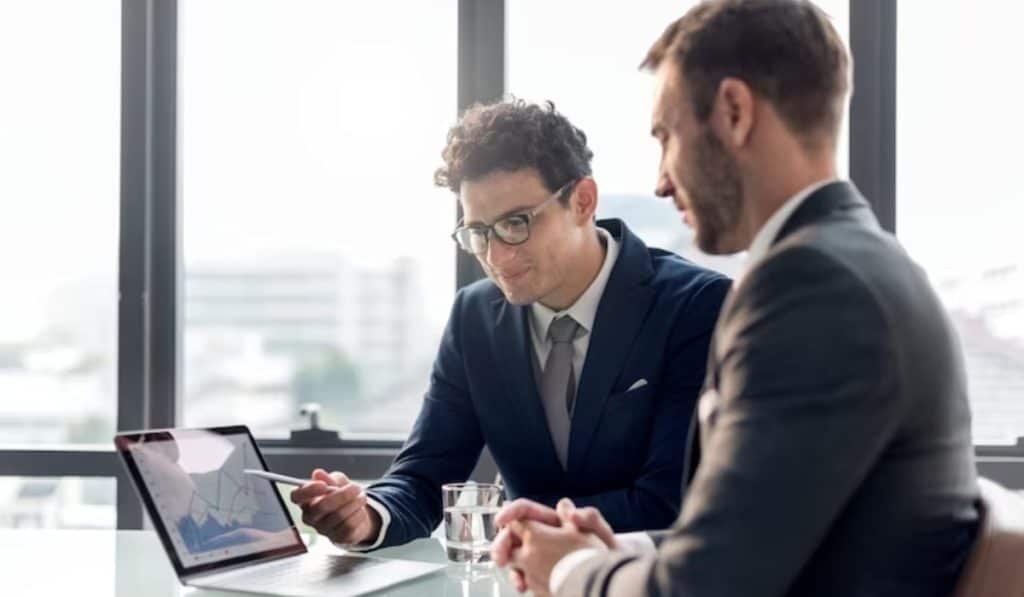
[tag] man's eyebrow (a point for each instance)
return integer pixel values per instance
(506, 214)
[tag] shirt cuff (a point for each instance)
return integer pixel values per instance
(639, 543)
(385, 522)
(567, 564)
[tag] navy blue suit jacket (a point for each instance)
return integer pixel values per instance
(626, 447)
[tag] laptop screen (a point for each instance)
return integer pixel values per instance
(208, 513)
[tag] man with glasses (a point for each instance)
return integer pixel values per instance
(577, 362)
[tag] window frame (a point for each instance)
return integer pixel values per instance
(150, 252)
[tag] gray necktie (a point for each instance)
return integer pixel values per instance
(558, 383)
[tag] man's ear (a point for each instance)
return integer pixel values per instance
(584, 199)
(732, 115)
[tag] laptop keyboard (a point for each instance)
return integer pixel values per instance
(295, 574)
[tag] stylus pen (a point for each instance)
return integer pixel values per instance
(269, 476)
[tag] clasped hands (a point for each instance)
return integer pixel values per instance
(534, 537)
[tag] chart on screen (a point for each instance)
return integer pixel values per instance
(218, 512)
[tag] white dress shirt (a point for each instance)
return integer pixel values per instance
(773, 225)
(584, 310)
(759, 246)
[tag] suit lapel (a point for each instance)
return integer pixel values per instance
(514, 353)
(694, 435)
(620, 317)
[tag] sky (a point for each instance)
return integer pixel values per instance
(317, 125)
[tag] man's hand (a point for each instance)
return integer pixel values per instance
(508, 542)
(336, 507)
(542, 546)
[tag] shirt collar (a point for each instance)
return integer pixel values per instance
(770, 229)
(584, 310)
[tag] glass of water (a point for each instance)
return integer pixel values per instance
(469, 512)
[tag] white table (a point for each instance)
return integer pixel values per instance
(132, 564)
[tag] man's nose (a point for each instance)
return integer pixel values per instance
(664, 186)
(498, 252)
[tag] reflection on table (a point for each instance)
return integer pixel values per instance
(133, 564)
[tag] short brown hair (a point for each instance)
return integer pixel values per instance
(514, 135)
(786, 50)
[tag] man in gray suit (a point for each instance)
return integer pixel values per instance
(833, 430)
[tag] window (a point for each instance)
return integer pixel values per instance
(59, 156)
(57, 502)
(959, 202)
(318, 266)
(590, 71)
(315, 270)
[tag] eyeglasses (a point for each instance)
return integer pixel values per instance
(511, 230)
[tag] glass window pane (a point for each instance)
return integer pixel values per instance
(959, 200)
(590, 71)
(58, 502)
(59, 164)
(318, 262)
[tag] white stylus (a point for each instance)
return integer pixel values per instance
(269, 476)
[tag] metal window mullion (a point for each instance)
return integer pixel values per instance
(148, 336)
(873, 105)
(481, 78)
(165, 287)
(131, 361)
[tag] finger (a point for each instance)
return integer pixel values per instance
(518, 579)
(339, 478)
(589, 520)
(338, 499)
(529, 531)
(341, 533)
(323, 476)
(335, 516)
(564, 508)
(520, 530)
(306, 493)
(313, 516)
(526, 509)
(518, 560)
(502, 546)
(346, 530)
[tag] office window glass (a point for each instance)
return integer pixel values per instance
(59, 155)
(318, 266)
(584, 57)
(960, 205)
(57, 503)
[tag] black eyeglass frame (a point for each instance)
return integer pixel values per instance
(491, 229)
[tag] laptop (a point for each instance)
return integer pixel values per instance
(223, 529)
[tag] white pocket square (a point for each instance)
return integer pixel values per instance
(637, 384)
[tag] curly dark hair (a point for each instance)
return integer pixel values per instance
(513, 135)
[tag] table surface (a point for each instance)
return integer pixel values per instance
(132, 564)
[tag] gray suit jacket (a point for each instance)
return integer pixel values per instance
(837, 459)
